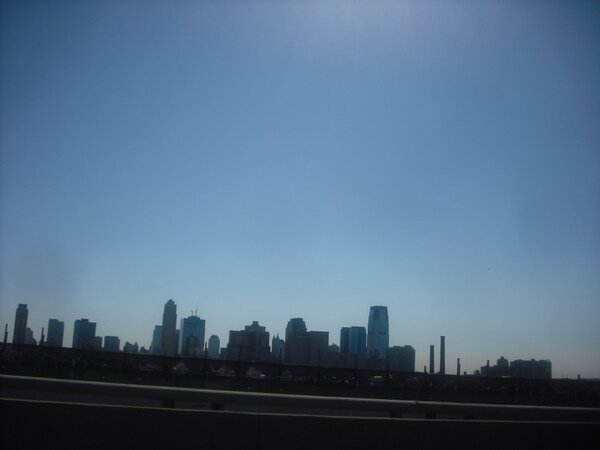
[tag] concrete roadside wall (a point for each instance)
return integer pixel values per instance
(48, 425)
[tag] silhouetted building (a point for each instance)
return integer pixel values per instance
(193, 346)
(318, 347)
(192, 325)
(56, 330)
(345, 340)
(502, 364)
(442, 355)
(401, 359)
(378, 337)
(84, 333)
(214, 345)
(97, 343)
(29, 340)
(278, 348)
(334, 348)
(529, 368)
(431, 359)
(296, 342)
(541, 369)
(304, 347)
(20, 324)
(156, 340)
(112, 343)
(131, 348)
(169, 333)
(357, 341)
(250, 344)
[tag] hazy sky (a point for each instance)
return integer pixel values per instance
(268, 160)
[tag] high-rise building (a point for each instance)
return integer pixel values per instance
(344, 340)
(191, 326)
(378, 337)
(56, 331)
(250, 344)
(214, 346)
(278, 348)
(156, 340)
(112, 343)
(442, 355)
(305, 347)
(401, 359)
(318, 347)
(20, 324)
(357, 341)
(169, 326)
(296, 342)
(84, 333)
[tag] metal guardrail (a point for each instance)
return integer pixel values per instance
(219, 398)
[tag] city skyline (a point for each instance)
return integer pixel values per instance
(353, 341)
(260, 161)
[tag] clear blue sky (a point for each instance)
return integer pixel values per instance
(267, 160)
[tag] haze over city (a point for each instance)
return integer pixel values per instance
(263, 161)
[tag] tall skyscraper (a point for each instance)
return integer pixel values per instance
(214, 346)
(156, 340)
(191, 326)
(169, 325)
(357, 341)
(84, 334)
(20, 324)
(56, 331)
(378, 337)
(296, 342)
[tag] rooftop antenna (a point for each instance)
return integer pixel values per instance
(196, 313)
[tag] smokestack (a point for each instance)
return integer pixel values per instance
(431, 361)
(442, 355)
(457, 367)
